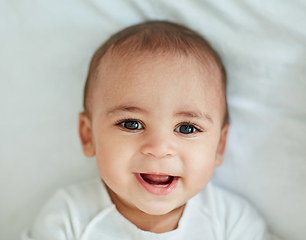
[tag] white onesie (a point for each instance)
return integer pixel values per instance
(85, 212)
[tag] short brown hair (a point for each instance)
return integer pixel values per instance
(156, 36)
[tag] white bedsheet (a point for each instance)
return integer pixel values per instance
(45, 48)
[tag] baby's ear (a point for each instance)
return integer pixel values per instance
(85, 134)
(221, 146)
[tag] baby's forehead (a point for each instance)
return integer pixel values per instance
(123, 62)
(133, 68)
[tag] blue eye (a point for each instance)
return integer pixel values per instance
(132, 125)
(186, 129)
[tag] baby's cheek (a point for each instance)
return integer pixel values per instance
(201, 173)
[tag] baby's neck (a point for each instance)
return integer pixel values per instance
(147, 222)
(153, 223)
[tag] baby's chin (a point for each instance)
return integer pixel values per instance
(160, 209)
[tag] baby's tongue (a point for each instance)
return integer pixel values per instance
(155, 179)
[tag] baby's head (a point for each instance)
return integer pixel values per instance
(155, 117)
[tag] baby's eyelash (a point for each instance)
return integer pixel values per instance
(198, 128)
(119, 122)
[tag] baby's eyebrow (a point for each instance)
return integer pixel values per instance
(125, 108)
(187, 113)
(194, 114)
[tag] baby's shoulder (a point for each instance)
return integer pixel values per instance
(222, 202)
(88, 193)
(70, 210)
(231, 213)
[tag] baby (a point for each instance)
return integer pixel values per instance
(156, 119)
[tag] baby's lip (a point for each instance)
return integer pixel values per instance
(159, 174)
(157, 184)
(157, 179)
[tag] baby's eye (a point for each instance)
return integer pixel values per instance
(132, 125)
(186, 129)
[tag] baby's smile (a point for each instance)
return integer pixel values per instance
(158, 184)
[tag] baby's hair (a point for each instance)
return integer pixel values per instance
(156, 37)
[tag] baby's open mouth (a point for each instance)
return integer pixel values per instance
(156, 179)
(158, 184)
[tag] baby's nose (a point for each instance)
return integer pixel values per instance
(158, 146)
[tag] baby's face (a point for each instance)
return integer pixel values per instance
(156, 131)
